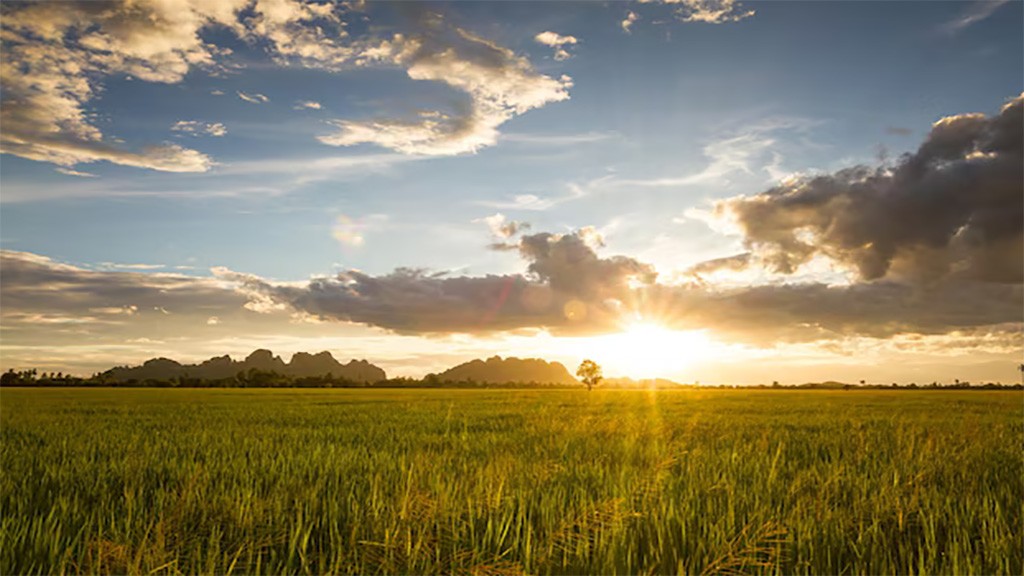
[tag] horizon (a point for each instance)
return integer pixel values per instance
(677, 190)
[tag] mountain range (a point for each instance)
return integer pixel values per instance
(302, 365)
(496, 370)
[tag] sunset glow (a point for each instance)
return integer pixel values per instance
(422, 184)
(648, 350)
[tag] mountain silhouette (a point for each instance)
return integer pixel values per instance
(496, 370)
(302, 365)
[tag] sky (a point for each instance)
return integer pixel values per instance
(704, 190)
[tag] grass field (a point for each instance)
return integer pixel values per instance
(505, 482)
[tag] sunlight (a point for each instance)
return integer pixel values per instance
(648, 350)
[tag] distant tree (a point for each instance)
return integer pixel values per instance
(1020, 368)
(10, 378)
(590, 372)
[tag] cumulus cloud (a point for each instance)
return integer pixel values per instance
(708, 11)
(498, 83)
(568, 288)
(952, 208)
(195, 127)
(56, 56)
(56, 53)
(558, 42)
(255, 98)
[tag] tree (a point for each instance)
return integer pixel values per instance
(1020, 368)
(590, 373)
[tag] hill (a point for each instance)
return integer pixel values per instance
(496, 370)
(302, 365)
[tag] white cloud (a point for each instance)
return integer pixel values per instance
(254, 98)
(71, 172)
(707, 11)
(558, 42)
(500, 85)
(55, 55)
(307, 105)
(195, 127)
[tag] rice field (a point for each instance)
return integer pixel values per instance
(158, 481)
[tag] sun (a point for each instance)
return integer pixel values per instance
(649, 350)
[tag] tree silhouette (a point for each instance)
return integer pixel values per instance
(1020, 369)
(590, 373)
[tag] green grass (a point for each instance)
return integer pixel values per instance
(504, 482)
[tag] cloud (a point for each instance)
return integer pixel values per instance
(498, 83)
(977, 11)
(78, 173)
(734, 262)
(568, 289)
(752, 150)
(501, 227)
(566, 284)
(307, 105)
(951, 209)
(532, 202)
(628, 21)
(195, 127)
(309, 34)
(254, 98)
(707, 11)
(55, 55)
(558, 42)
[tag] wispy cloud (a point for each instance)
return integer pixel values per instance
(307, 105)
(977, 11)
(78, 173)
(535, 203)
(559, 139)
(255, 98)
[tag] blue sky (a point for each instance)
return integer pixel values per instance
(636, 133)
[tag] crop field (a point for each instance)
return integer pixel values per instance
(145, 481)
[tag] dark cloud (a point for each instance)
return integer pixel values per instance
(953, 208)
(813, 311)
(567, 287)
